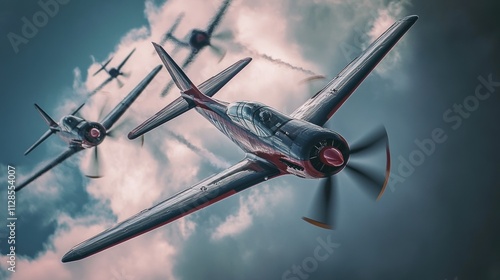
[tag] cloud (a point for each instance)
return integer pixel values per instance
(255, 204)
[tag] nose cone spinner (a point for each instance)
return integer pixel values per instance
(331, 156)
(94, 132)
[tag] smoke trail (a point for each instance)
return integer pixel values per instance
(167, 88)
(276, 61)
(214, 160)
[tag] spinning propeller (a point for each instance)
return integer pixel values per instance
(95, 167)
(372, 182)
(225, 35)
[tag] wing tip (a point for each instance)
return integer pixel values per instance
(412, 18)
(132, 135)
(246, 60)
(70, 256)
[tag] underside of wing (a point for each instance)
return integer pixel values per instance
(326, 102)
(240, 176)
(66, 154)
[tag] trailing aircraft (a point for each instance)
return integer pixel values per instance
(197, 39)
(81, 134)
(112, 72)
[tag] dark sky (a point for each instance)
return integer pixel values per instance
(439, 222)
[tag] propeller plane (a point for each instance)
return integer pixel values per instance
(81, 134)
(276, 144)
(112, 72)
(198, 39)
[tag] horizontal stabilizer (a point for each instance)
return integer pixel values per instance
(103, 66)
(50, 122)
(53, 126)
(180, 105)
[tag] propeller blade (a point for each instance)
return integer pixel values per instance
(371, 182)
(224, 35)
(370, 140)
(218, 51)
(103, 108)
(118, 128)
(125, 74)
(94, 167)
(120, 83)
(324, 204)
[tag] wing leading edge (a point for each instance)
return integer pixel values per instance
(325, 103)
(66, 154)
(120, 109)
(248, 172)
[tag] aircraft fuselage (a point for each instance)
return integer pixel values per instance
(199, 39)
(293, 146)
(113, 72)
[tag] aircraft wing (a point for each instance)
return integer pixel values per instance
(248, 172)
(103, 66)
(180, 105)
(326, 102)
(66, 154)
(118, 111)
(216, 20)
(125, 60)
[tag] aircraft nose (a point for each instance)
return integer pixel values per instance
(331, 156)
(94, 132)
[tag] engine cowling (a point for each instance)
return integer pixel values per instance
(328, 155)
(318, 151)
(93, 134)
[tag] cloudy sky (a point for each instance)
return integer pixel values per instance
(438, 219)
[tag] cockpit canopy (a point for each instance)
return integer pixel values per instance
(261, 120)
(69, 123)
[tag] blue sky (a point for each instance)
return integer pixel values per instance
(440, 222)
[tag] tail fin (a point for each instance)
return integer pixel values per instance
(46, 117)
(103, 66)
(174, 26)
(188, 90)
(53, 127)
(181, 105)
